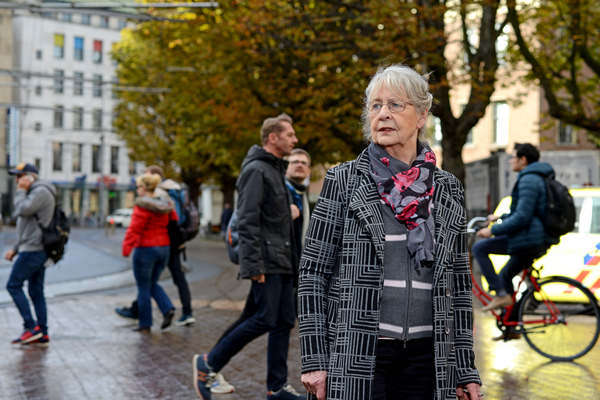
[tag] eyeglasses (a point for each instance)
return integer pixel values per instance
(395, 106)
(296, 162)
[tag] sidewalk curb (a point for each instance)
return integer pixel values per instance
(103, 282)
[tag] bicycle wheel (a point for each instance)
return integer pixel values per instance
(574, 331)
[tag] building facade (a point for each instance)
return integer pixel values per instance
(65, 75)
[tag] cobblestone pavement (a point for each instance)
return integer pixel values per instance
(95, 355)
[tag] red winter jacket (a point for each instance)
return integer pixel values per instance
(149, 221)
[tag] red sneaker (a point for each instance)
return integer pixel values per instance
(44, 341)
(29, 336)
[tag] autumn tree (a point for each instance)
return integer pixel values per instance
(560, 41)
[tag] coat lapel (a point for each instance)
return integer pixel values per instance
(440, 212)
(366, 204)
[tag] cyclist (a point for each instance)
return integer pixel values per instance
(520, 233)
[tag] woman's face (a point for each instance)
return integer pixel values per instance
(141, 190)
(394, 129)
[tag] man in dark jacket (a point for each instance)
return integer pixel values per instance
(521, 233)
(34, 204)
(266, 252)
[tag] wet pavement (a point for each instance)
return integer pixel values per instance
(95, 355)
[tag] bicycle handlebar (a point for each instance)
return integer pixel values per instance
(471, 228)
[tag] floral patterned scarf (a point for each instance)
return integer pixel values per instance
(409, 193)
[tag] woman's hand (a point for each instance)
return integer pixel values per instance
(470, 391)
(315, 382)
(295, 211)
(484, 233)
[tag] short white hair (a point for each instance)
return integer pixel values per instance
(404, 82)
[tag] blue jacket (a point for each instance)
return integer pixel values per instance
(523, 224)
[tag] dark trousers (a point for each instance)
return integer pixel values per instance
(179, 281)
(247, 312)
(148, 264)
(404, 373)
(502, 284)
(275, 314)
(29, 266)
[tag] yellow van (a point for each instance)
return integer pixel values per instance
(577, 255)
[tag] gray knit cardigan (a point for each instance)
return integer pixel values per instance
(341, 282)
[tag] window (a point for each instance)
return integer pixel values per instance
(59, 46)
(131, 167)
(77, 118)
(470, 133)
(104, 22)
(57, 149)
(77, 149)
(78, 83)
(85, 19)
(79, 48)
(113, 60)
(97, 55)
(95, 158)
(97, 120)
(500, 127)
(114, 160)
(38, 54)
(566, 134)
(97, 88)
(38, 90)
(66, 17)
(437, 131)
(58, 116)
(38, 163)
(122, 24)
(38, 126)
(59, 82)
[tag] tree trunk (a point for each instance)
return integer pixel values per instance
(193, 179)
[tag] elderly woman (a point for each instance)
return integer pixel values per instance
(385, 305)
(148, 234)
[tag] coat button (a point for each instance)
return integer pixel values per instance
(447, 292)
(447, 330)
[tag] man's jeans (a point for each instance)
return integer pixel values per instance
(148, 264)
(502, 284)
(274, 314)
(30, 267)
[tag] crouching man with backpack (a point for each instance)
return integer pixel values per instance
(521, 233)
(34, 200)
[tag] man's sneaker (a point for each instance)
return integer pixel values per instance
(29, 335)
(125, 312)
(220, 385)
(203, 376)
(44, 341)
(285, 393)
(185, 320)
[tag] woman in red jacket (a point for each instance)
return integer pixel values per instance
(149, 234)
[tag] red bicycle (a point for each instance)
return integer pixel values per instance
(558, 316)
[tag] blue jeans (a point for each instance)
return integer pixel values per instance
(502, 284)
(30, 267)
(274, 314)
(148, 264)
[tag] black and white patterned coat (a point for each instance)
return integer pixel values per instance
(341, 281)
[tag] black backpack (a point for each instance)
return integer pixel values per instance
(560, 209)
(179, 234)
(56, 235)
(233, 239)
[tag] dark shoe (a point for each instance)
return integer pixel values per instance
(142, 329)
(285, 393)
(168, 318)
(29, 335)
(203, 376)
(506, 336)
(185, 320)
(126, 312)
(44, 341)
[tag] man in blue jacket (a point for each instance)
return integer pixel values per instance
(521, 232)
